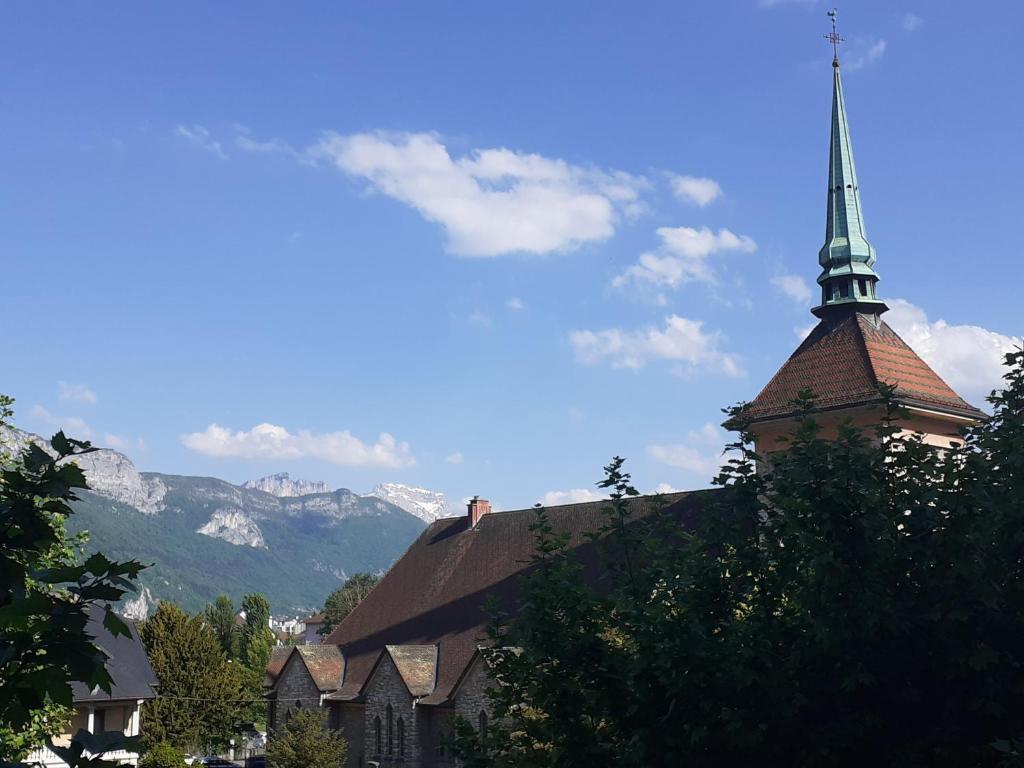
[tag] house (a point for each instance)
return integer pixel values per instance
(408, 656)
(97, 711)
(312, 634)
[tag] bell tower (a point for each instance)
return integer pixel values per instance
(852, 351)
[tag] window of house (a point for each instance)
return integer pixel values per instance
(482, 725)
(99, 721)
(391, 742)
(376, 735)
(401, 737)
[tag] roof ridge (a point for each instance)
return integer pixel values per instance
(862, 342)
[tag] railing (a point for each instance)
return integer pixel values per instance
(46, 757)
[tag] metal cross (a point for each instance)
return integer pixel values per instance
(834, 37)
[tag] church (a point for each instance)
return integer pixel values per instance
(397, 670)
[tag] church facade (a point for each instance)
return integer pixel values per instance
(406, 661)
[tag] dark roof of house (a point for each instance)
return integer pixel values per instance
(324, 663)
(843, 361)
(278, 658)
(129, 668)
(434, 594)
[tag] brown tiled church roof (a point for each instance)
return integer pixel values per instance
(435, 594)
(844, 360)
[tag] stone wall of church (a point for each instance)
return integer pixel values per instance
(348, 720)
(294, 688)
(386, 688)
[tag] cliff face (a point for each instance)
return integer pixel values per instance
(282, 485)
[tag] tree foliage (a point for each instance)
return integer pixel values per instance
(220, 615)
(201, 693)
(306, 742)
(861, 602)
(163, 755)
(46, 596)
(341, 602)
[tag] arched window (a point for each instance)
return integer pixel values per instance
(391, 732)
(376, 734)
(401, 737)
(482, 723)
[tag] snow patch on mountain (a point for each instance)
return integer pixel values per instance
(424, 504)
(281, 485)
(234, 527)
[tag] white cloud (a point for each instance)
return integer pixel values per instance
(515, 304)
(969, 358)
(803, 331)
(795, 287)
(912, 22)
(122, 442)
(573, 496)
(269, 441)
(454, 458)
(77, 393)
(682, 340)
(696, 190)
(479, 319)
(700, 454)
(683, 255)
(664, 488)
(73, 426)
(490, 201)
(272, 146)
(200, 138)
(863, 53)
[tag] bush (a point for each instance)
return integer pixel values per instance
(163, 755)
(305, 743)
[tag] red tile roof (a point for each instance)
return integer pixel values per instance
(435, 593)
(843, 361)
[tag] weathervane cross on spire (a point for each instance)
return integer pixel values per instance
(834, 38)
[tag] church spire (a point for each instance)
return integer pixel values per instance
(847, 279)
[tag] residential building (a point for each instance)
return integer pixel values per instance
(97, 711)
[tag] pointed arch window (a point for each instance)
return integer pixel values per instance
(401, 737)
(482, 725)
(391, 730)
(376, 734)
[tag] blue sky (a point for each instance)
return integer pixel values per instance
(478, 247)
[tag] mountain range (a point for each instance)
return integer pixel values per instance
(293, 540)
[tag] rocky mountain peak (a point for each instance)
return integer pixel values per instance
(425, 504)
(282, 486)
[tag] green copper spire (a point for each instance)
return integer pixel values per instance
(847, 279)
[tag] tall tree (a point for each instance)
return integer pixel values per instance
(306, 742)
(341, 602)
(859, 602)
(201, 695)
(220, 615)
(255, 643)
(46, 595)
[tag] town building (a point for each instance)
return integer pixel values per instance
(406, 661)
(97, 711)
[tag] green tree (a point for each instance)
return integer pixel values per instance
(201, 696)
(46, 595)
(306, 742)
(860, 602)
(220, 615)
(163, 755)
(255, 643)
(341, 602)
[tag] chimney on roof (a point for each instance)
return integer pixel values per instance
(477, 508)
